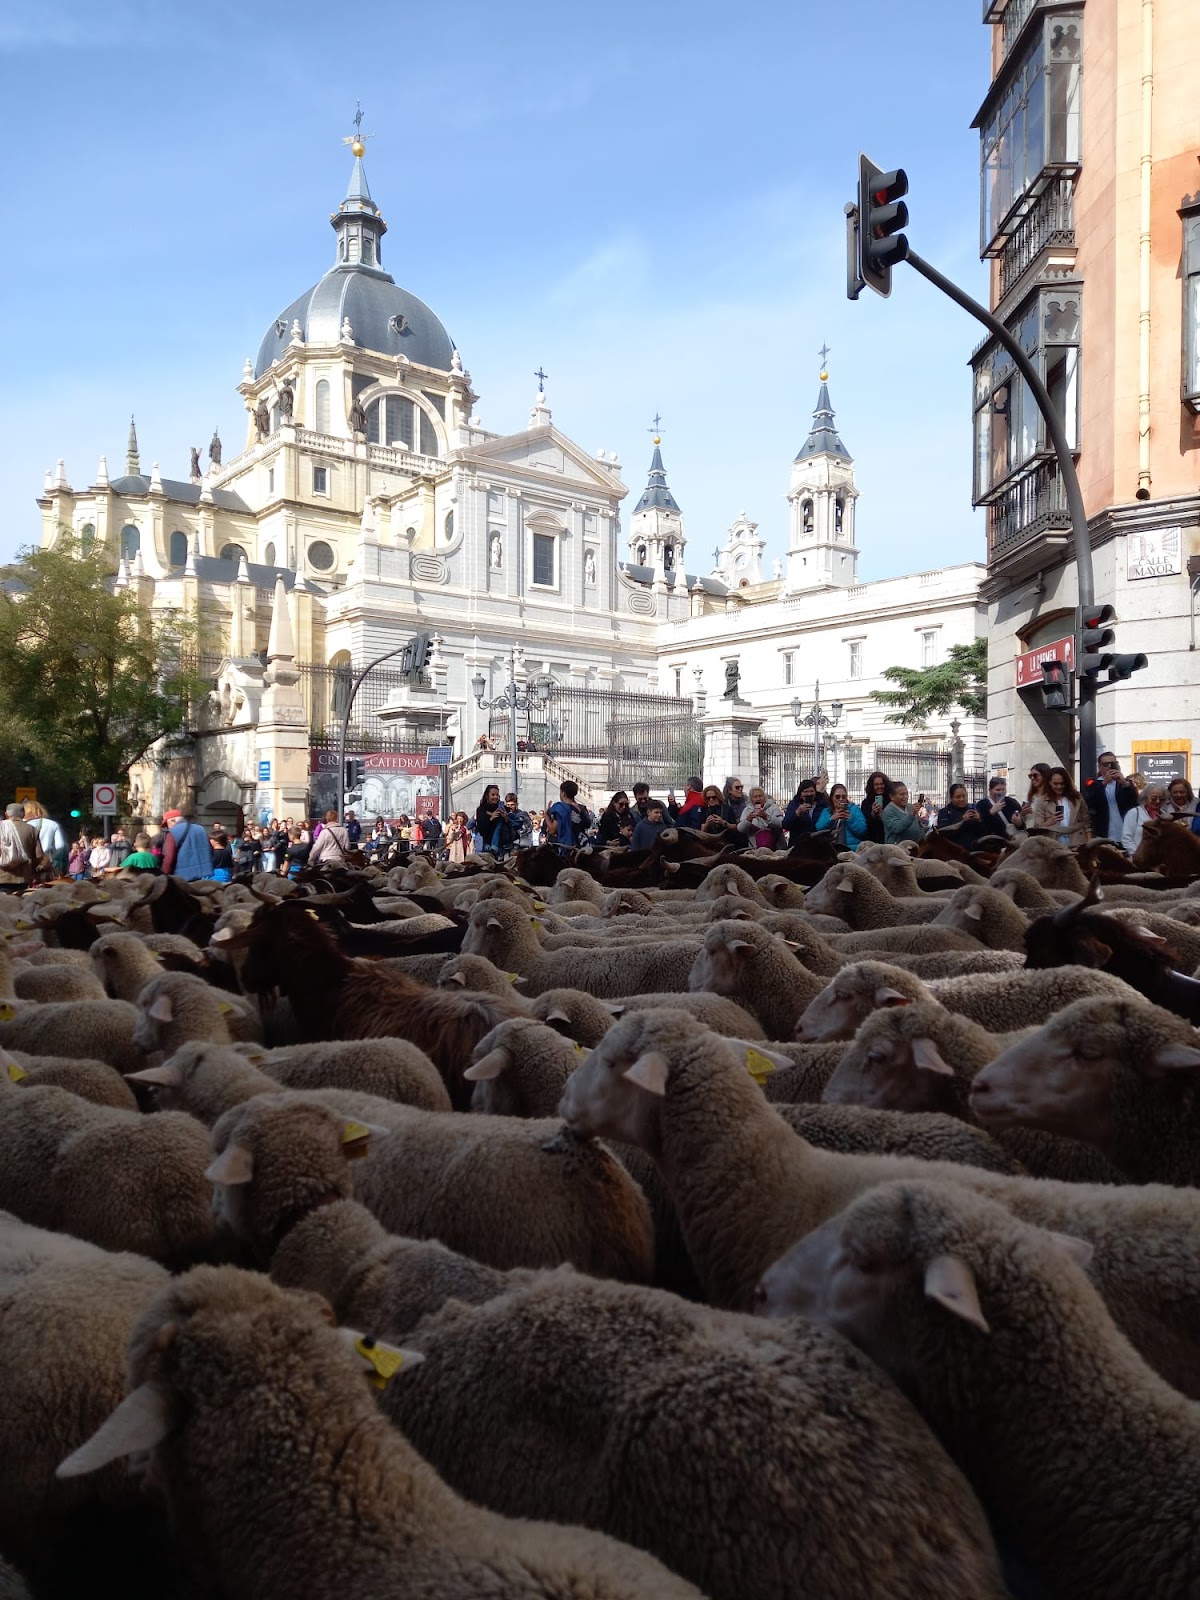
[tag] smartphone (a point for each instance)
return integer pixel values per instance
(1058, 811)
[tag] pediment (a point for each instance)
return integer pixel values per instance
(548, 456)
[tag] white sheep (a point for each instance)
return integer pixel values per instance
(1080, 1452)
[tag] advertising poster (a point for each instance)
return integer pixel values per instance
(395, 783)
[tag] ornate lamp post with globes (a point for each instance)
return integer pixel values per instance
(817, 720)
(512, 698)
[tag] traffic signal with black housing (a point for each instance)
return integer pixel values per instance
(1056, 686)
(1096, 638)
(416, 653)
(881, 215)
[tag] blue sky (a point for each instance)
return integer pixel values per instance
(645, 200)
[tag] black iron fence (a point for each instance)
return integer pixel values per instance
(925, 771)
(638, 735)
(782, 763)
(325, 691)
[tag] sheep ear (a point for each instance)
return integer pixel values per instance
(1149, 936)
(168, 1076)
(1175, 1058)
(557, 1015)
(494, 922)
(234, 1165)
(886, 996)
(649, 1072)
(760, 1065)
(846, 886)
(928, 1058)
(974, 911)
(738, 944)
(515, 978)
(1081, 1251)
(491, 1065)
(15, 1073)
(380, 1361)
(456, 977)
(950, 1281)
(161, 1009)
(845, 855)
(618, 1010)
(139, 1423)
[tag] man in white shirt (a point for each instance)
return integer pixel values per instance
(1109, 797)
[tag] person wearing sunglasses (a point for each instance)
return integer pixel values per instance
(1109, 797)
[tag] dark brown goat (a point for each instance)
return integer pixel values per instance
(336, 996)
(1084, 936)
(1168, 846)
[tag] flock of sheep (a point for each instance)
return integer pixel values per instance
(779, 1228)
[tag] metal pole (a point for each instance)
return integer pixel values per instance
(1085, 583)
(512, 718)
(354, 688)
(816, 722)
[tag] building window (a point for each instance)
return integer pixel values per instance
(320, 480)
(447, 526)
(131, 542)
(856, 657)
(269, 553)
(678, 671)
(839, 513)
(641, 555)
(270, 480)
(1009, 428)
(1032, 130)
(321, 406)
(543, 560)
(87, 537)
(368, 249)
(429, 440)
(232, 552)
(669, 558)
(806, 516)
(789, 669)
(320, 555)
(929, 648)
(1190, 212)
(177, 549)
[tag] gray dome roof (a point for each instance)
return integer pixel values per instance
(383, 317)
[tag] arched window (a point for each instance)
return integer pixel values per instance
(177, 549)
(232, 552)
(839, 514)
(641, 555)
(806, 515)
(269, 553)
(668, 558)
(87, 537)
(321, 406)
(131, 542)
(391, 421)
(429, 439)
(448, 526)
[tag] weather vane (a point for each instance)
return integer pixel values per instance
(823, 352)
(357, 139)
(656, 428)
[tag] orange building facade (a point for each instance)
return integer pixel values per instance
(1090, 216)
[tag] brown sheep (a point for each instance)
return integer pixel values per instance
(1169, 846)
(335, 996)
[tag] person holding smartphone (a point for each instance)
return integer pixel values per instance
(874, 801)
(800, 817)
(842, 818)
(1071, 821)
(902, 820)
(959, 819)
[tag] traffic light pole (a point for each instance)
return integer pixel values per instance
(354, 688)
(1085, 686)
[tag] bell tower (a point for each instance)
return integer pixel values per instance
(656, 527)
(822, 496)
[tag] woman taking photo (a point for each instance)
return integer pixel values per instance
(711, 815)
(800, 818)
(762, 821)
(843, 819)
(1149, 808)
(1071, 823)
(874, 801)
(958, 818)
(616, 820)
(492, 824)
(458, 838)
(1038, 810)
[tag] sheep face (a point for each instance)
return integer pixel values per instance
(1071, 1076)
(889, 1072)
(842, 1006)
(616, 1092)
(719, 965)
(892, 1272)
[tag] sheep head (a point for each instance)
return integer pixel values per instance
(1074, 1075)
(850, 997)
(617, 1091)
(725, 956)
(895, 1063)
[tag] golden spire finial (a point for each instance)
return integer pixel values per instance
(823, 352)
(357, 139)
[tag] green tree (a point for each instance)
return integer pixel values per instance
(960, 680)
(88, 681)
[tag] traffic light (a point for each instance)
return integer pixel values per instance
(881, 215)
(1120, 667)
(1056, 686)
(1096, 637)
(418, 652)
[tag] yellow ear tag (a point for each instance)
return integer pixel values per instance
(16, 1073)
(535, 922)
(539, 905)
(760, 1066)
(512, 976)
(224, 1007)
(7, 1013)
(354, 1131)
(578, 1047)
(386, 1361)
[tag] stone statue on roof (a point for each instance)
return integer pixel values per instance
(195, 467)
(732, 675)
(262, 419)
(214, 449)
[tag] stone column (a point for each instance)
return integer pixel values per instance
(731, 733)
(281, 739)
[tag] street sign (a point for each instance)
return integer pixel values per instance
(439, 755)
(264, 772)
(1029, 665)
(26, 794)
(104, 799)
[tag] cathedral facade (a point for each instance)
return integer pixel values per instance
(367, 502)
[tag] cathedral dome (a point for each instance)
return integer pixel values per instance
(382, 316)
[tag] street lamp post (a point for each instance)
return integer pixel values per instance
(817, 720)
(511, 699)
